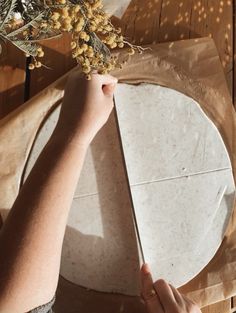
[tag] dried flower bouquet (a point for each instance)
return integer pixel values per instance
(26, 23)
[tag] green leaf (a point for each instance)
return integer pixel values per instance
(7, 9)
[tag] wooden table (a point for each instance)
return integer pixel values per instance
(145, 22)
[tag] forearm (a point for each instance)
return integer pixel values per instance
(31, 239)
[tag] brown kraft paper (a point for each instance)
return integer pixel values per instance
(192, 67)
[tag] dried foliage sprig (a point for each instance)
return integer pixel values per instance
(25, 23)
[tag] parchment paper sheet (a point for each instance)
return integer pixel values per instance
(191, 67)
(116, 8)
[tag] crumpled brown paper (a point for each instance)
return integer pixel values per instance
(191, 67)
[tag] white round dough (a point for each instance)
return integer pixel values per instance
(182, 188)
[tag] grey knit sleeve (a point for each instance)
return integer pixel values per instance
(47, 308)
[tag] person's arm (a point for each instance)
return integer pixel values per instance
(31, 239)
(161, 297)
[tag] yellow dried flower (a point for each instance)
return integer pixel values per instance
(86, 69)
(87, 38)
(83, 35)
(108, 28)
(109, 66)
(38, 64)
(97, 5)
(131, 51)
(67, 27)
(71, 11)
(92, 28)
(88, 77)
(84, 47)
(90, 54)
(57, 25)
(67, 20)
(79, 51)
(68, 16)
(80, 59)
(40, 54)
(95, 62)
(105, 22)
(74, 54)
(65, 12)
(31, 66)
(25, 33)
(109, 41)
(73, 45)
(102, 72)
(77, 8)
(86, 62)
(78, 27)
(55, 16)
(44, 25)
(113, 45)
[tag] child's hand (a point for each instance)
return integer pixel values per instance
(160, 297)
(86, 105)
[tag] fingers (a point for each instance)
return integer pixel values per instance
(151, 299)
(165, 294)
(178, 297)
(103, 79)
(192, 306)
(160, 297)
(108, 79)
(108, 84)
(147, 282)
(96, 78)
(109, 90)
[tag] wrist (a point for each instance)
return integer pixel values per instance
(67, 135)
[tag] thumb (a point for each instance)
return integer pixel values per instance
(149, 295)
(109, 89)
(146, 281)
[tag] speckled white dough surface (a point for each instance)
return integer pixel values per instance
(182, 189)
(180, 178)
(100, 249)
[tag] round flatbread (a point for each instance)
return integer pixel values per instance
(181, 182)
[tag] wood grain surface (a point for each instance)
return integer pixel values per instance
(57, 60)
(233, 304)
(221, 307)
(155, 21)
(145, 22)
(12, 79)
(234, 52)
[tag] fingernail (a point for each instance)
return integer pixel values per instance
(146, 269)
